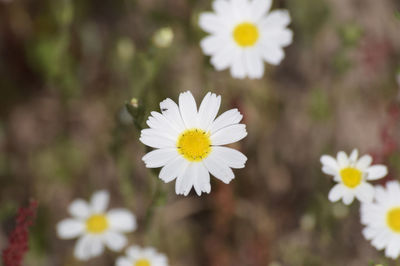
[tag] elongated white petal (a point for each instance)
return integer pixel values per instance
(99, 201)
(185, 181)
(188, 109)
(88, 247)
(171, 112)
(238, 68)
(376, 172)
(276, 19)
(219, 169)
(259, 8)
(228, 118)
(211, 23)
(202, 183)
(79, 208)
(364, 162)
(115, 241)
(277, 38)
(122, 261)
(336, 193)
(212, 44)
(342, 159)
(70, 228)
(160, 157)
(171, 171)
(353, 156)
(229, 134)
(271, 53)
(330, 162)
(348, 197)
(208, 110)
(121, 220)
(365, 192)
(232, 158)
(254, 64)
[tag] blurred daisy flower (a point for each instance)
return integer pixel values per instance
(95, 227)
(352, 175)
(188, 142)
(382, 219)
(243, 34)
(136, 256)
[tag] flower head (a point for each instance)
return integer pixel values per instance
(136, 256)
(243, 34)
(382, 219)
(95, 227)
(188, 142)
(352, 175)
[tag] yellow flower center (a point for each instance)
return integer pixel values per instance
(351, 177)
(142, 262)
(393, 219)
(97, 224)
(246, 34)
(194, 144)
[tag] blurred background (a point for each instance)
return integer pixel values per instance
(67, 69)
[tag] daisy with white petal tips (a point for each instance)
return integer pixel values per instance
(352, 175)
(136, 256)
(95, 227)
(244, 34)
(382, 219)
(188, 142)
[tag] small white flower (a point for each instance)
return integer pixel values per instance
(95, 227)
(188, 142)
(382, 219)
(136, 256)
(243, 34)
(351, 174)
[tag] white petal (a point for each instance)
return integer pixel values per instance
(160, 157)
(219, 169)
(348, 197)
(259, 8)
(330, 165)
(212, 44)
(272, 53)
(115, 241)
(393, 248)
(156, 141)
(188, 109)
(336, 193)
(229, 134)
(159, 134)
(208, 110)
(121, 220)
(79, 208)
(224, 57)
(99, 201)
(161, 123)
(238, 69)
(202, 183)
(122, 261)
(173, 169)
(277, 37)
(353, 156)
(230, 117)
(232, 158)
(365, 192)
(211, 23)
(276, 19)
(88, 247)
(171, 112)
(254, 64)
(342, 159)
(70, 228)
(185, 181)
(364, 162)
(376, 172)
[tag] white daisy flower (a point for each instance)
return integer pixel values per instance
(382, 219)
(352, 175)
(243, 34)
(188, 142)
(136, 256)
(95, 227)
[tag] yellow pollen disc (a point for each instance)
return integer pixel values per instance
(246, 34)
(393, 219)
(142, 262)
(97, 224)
(351, 177)
(194, 144)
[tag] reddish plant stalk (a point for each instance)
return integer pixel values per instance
(18, 239)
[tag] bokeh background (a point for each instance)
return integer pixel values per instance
(68, 68)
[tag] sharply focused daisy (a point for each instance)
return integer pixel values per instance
(352, 175)
(136, 256)
(382, 219)
(95, 227)
(243, 34)
(188, 142)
